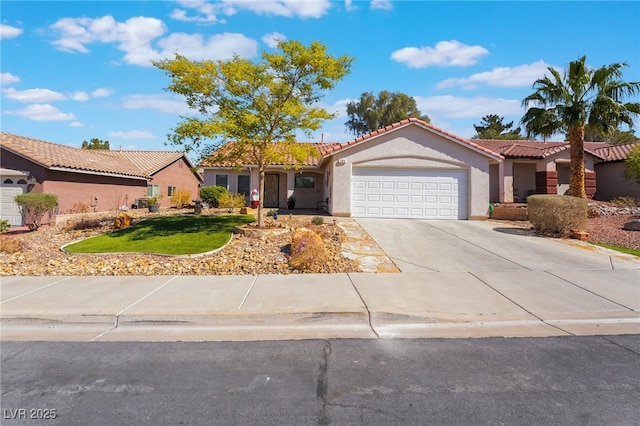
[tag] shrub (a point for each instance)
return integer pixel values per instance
(10, 245)
(34, 206)
(632, 164)
(230, 200)
(4, 226)
(317, 220)
(181, 198)
(307, 251)
(77, 225)
(79, 208)
(211, 195)
(626, 202)
(557, 214)
(123, 220)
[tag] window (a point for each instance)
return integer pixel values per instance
(171, 190)
(8, 181)
(153, 190)
(22, 182)
(244, 183)
(222, 180)
(305, 182)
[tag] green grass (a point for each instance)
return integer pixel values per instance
(620, 249)
(173, 235)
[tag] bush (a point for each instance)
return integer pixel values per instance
(10, 245)
(626, 202)
(211, 195)
(317, 220)
(79, 207)
(77, 225)
(230, 200)
(307, 251)
(557, 214)
(181, 198)
(34, 206)
(4, 226)
(122, 221)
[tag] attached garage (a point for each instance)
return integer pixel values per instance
(409, 193)
(12, 183)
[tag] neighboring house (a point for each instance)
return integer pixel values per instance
(412, 169)
(531, 167)
(97, 180)
(610, 172)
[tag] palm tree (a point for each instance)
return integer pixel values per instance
(582, 97)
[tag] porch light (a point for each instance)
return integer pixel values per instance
(31, 180)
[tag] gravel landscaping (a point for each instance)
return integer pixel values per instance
(39, 253)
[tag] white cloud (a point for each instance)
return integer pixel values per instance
(132, 134)
(457, 107)
(80, 96)
(195, 47)
(135, 37)
(102, 92)
(272, 39)
(381, 4)
(162, 103)
(76, 124)
(8, 78)
(7, 31)
(206, 12)
(33, 95)
(287, 8)
(445, 53)
(42, 112)
(349, 6)
(46, 95)
(520, 76)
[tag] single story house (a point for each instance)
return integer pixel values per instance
(531, 167)
(412, 169)
(93, 180)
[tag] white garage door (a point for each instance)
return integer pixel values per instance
(10, 210)
(410, 193)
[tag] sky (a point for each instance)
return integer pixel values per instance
(76, 70)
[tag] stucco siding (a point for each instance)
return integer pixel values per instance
(412, 147)
(610, 182)
(177, 175)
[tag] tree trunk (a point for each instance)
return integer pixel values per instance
(261, 195)
(576, 178)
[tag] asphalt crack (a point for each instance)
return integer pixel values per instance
(323, 384)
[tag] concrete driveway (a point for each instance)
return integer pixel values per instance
(476, 246)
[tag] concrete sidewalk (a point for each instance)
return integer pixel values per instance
(305, 306)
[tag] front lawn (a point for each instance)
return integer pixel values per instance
(172, 235)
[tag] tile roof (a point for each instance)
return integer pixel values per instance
(135, 164)
(217, 159)
(539, 150)
(614, 152)
(413, 120)
(497, 148)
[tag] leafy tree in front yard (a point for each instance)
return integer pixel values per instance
(255, 104)
(371, 113)
(632, 164)
(34, 206)
(582, 97)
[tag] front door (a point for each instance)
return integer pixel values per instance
(271, 190)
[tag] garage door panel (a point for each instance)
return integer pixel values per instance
(410, 193)
(10, 210)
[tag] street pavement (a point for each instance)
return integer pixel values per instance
(457, 279)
